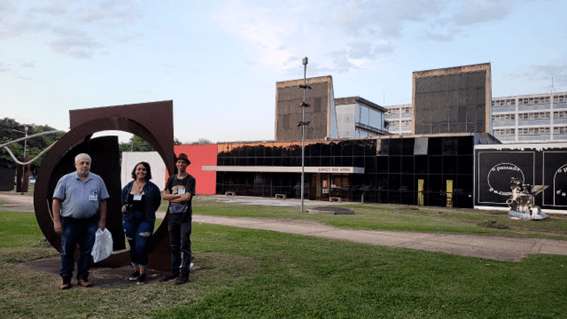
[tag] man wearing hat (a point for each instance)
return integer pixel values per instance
(179, 191)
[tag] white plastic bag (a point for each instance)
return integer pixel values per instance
(103, 245)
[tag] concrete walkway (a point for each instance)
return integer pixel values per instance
(489, 247)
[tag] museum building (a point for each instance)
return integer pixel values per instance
(427, 169)
(448, 159)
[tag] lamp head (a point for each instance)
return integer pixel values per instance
(305, 61)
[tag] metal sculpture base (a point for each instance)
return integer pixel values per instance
(534, 214)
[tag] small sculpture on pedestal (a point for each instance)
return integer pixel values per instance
(522, 203)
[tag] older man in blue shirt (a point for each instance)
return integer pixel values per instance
(77, 198)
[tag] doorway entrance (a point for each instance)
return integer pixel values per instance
(324, 186)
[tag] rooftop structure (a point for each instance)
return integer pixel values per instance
(358, 117)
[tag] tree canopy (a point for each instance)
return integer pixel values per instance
(11, 130)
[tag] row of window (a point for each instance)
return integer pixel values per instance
(533, 131)
(530, 131)
(508, 102)
(398, 110)
(529, 116)
(503, 117)
(534, 100)
(533, 116)
(369, 116)
(504, 132)
(529, 101)
(400, 123)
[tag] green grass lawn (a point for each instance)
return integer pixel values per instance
(259, 274)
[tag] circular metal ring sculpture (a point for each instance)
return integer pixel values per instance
(119, 118)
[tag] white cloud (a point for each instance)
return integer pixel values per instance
(111, 13)
(3, 68)
(7, 10)
(27, 65)
(76, 44)
(341, 35)
(428, 35)
(69, 27)
(481, 11)
(53, 8)
(545, 73)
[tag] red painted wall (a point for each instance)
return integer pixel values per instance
(201, 155)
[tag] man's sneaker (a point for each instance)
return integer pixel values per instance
(66, 281)
(169, 277)
(134, 276)
(141, 279)
(183, 279)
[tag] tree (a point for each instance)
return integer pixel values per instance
(202, 141)
(136, 144)
(11, 130)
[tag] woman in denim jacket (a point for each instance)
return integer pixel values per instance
(140, 201)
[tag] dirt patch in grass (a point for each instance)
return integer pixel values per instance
(18, 255)
(493, 224)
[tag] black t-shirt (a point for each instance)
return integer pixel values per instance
(177, 186)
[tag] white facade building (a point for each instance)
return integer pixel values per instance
(515, 119)
(358, 117)
(530, 118)
(399, 118)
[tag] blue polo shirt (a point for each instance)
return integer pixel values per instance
(80, 200)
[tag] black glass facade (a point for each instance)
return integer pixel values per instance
(393, 168)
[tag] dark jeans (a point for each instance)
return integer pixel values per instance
(179, 227)
(138, 232)
(77, 231)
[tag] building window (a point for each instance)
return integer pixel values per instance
(504, 132)
(504, 117)
(534, 116)
(560, 115)
(533, 131)
(560, 130)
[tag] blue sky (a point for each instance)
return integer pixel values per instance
(219, 61)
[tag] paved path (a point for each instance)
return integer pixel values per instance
(489, 247)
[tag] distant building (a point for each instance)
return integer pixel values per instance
(321, 113)
(458, 99)
(452, 100)
(349, 155)
(533, 118)
(530, 118)
(328, 117)
(358, 117)
(399, 118)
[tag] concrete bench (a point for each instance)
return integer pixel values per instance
(280, 196)
(338, 199)
(229, 193)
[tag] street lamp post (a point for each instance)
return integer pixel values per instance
(303, 124)
(26, 140)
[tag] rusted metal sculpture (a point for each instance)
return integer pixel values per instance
(153, 122)
(522, 203)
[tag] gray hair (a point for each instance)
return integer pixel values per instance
(81, 156)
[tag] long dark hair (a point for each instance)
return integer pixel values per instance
(148, 171)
